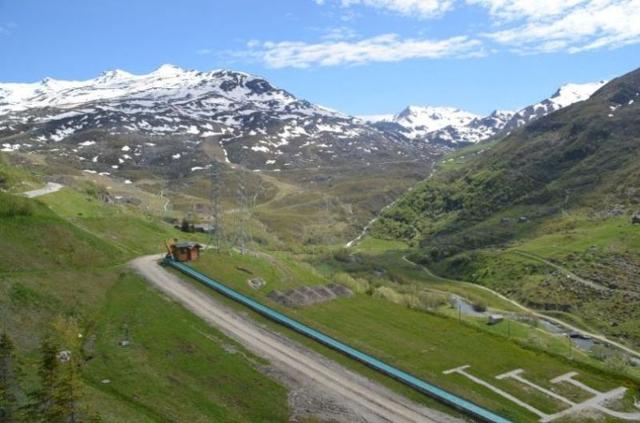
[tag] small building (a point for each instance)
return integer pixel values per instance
(205, 228)
(185, 251)
(494, 319)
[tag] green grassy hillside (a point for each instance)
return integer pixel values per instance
(564, 188)
(424, 341)
(67, 279)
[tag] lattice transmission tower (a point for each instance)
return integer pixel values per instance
(242, 217)
(216, 232)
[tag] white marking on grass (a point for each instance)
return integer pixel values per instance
(461, 370)
(516, 375)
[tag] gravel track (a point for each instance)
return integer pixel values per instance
(318, 386)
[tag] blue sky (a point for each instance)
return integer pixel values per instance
(357, 56)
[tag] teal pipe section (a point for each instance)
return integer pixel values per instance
(431, 390)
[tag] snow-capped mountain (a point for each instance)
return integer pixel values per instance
(452, 127)
(415, 122)
(443, 126)
(177, 119)
(173, 114)
(476, 130)
(566, 95)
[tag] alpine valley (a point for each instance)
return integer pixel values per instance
(455, 247)
(162, 130)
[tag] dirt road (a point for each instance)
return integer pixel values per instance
(47, 189)
(343, 395)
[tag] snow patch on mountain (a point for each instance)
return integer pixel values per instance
(420, 120)
(565, 96)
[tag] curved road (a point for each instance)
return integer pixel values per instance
(562, 323)
(370, 401)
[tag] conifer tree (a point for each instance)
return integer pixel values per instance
(43, 407)
(66, 393)
(9, 381)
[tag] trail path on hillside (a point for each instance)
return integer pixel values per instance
(531, 311)
(50, 188)
(366, 228)
(348, 397)
(569, 274)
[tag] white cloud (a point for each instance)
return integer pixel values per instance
(339, 33)
(518, 9)
(204, 51)
(418, 8)
(570, 25)
(382, 48)
(520, 26)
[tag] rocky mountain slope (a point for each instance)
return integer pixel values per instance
(171, 116)
(453, 127)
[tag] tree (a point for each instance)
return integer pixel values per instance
(66, 393)
(42, 407)
(9, 381)
(185, 226)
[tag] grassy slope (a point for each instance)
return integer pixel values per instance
(423, 343)
(176, 368)
(573, 175)
(13, 178)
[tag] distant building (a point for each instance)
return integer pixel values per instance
(185, 251)
(494, 319)
(205, 228)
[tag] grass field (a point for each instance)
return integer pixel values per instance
(423, 343)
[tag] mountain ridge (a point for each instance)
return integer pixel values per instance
(454, 127)
(246, 119)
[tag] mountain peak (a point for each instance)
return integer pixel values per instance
(168, 69)
(420, 120)
(112, 75)
(571, 93)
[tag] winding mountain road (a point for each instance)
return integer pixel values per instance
(364, 400)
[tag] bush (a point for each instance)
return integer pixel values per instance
(12, 206)
(359, 286)
(96, 191)
(432, 301)
(389, 294)
(479, 306)
(343, 255)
